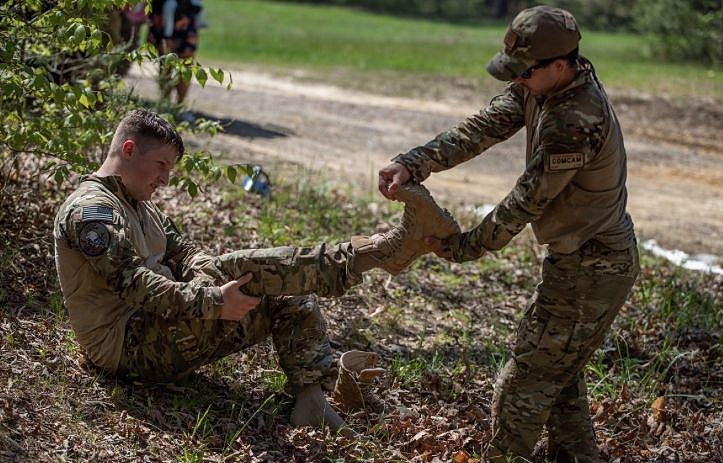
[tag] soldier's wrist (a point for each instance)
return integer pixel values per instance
(465, 249)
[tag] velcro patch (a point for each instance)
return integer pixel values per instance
(97, 214)
(510, 40)
(565, 161)
(94, 239)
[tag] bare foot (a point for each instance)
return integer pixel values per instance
(312, 409)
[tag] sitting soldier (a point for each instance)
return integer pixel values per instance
(145, 303)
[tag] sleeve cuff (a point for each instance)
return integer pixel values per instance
(215, 303)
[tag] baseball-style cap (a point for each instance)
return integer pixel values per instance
(535, 34)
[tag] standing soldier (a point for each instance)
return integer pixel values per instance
(573, 193)
(146, 303)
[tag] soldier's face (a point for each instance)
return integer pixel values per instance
(148, 168)
(543, 80)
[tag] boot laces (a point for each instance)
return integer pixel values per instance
(393, 238)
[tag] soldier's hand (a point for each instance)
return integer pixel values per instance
(235, 303)
(391, 178)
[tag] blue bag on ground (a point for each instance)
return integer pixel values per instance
(258, 182)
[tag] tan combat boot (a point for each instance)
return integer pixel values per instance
(394, 250)
(357, 372)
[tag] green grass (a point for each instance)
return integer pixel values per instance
(410, 371)
(306, 213)
(318, 38)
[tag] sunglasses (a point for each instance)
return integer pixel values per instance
(542, 64)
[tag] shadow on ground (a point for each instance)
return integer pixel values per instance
(246, 129)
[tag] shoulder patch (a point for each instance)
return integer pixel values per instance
(94, 239)
(565, 161)
(97, 213)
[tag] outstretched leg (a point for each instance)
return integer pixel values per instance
(331, 270)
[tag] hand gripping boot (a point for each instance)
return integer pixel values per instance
(357, 372)
(394, 250)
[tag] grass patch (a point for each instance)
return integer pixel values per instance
(306, 213)
(322, 38)
(409, 372)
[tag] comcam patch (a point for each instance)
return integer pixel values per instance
(94, 239)
(564, 161)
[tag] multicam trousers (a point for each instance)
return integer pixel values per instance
(160, 349)
(543, 383)
(287, 270)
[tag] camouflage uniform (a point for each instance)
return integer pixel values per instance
(573, 194)
(145, 302)
(566, 320)
(162, 349)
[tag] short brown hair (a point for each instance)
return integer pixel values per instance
(142, 123)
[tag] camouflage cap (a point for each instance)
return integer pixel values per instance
(535, 34)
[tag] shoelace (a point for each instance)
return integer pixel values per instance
(417, 196)
(393, 238)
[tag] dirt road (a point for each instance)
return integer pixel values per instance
(675, 149)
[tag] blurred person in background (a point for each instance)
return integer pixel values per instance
(174, 28)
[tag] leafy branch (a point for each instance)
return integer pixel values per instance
(61, 95)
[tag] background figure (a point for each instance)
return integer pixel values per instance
(173, 29)
(123, 27)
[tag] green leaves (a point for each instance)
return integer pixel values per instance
(217, 74)
(87, 99)
(681, 30)
(60, 174)
(201, 76)
(49, 104)
(79, 34)
(231, 173)
(200, 166)
(61, 96)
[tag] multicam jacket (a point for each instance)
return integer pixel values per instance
(116, 255)
(573, 186)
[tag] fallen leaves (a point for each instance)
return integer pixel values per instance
(54, 406)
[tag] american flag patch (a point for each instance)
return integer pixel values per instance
(97, 214)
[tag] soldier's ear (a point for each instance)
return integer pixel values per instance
(128, 148)
(560, 65)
